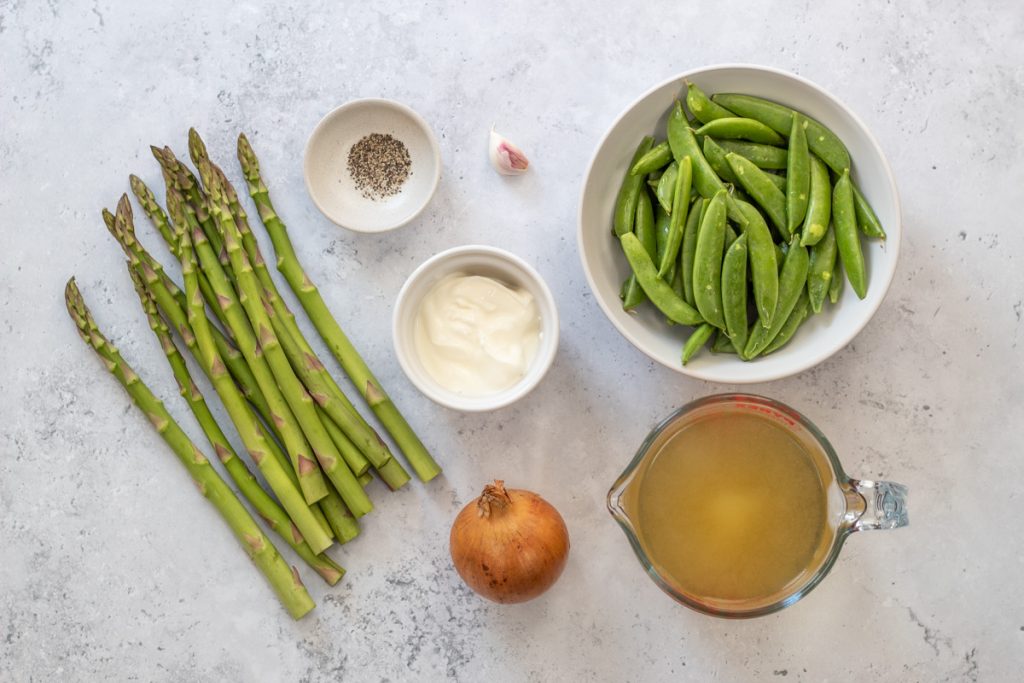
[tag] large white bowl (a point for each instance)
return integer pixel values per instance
(605, 266)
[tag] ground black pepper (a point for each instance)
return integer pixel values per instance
(379, 164)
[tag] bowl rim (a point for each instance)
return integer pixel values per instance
(328, 118)
(806, 362)
(477, 404)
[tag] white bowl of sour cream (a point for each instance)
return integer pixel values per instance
(475, 328)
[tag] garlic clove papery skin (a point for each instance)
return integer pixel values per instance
(506, 158)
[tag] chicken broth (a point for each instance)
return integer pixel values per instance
(731, 508)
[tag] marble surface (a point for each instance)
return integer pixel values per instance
(111, 566)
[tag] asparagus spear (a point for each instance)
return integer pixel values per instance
(252, 436)
(282, 411)
(283, 579)
(178, 176)
(264, 505)
(301, 356)
(296, 395)
(288, 264)
(178, 319)
(162, 223)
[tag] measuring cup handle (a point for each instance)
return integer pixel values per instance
(883, 505)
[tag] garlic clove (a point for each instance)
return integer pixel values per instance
(506, 158)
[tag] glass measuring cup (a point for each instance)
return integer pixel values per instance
(852, 504)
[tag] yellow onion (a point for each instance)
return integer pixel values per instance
(509, 545)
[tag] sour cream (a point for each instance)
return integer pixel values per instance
(475, 336)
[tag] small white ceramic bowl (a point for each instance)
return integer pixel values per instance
(325, 165)
(473, 260)
(605, 266)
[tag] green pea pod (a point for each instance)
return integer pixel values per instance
(702, 107)
(765, 259)
(767, 157)
(779, 118)
(681, 199)
(707, 262)
(730, 237)
(757, 185)
(716, 158)
(798, 174)
(657, 290)
(722, 344)
(780, 255)
(822, 265)
(683, 143)
(696, 341)
(867, 221)
(666, 187)
(793, 322)
(629, 193)
(662, 223)
(778, 181)
(740, 128)
(792, 284)
(646, 232)
(835, 287)
(689, 248)
(819, 204)
(734, 291)
(847, 238)
(655, 158)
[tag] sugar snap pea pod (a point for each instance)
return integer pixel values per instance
(819, 274)
(702, 107)
(763, 156)
(629, 193)
(779, 118)
(644, 229)
(730, 237)
(689, 248)
(696, 341)
(780, 255)
(681, 200)
(867, 221)
(662, 222)
(819, 204)
(655, 158)
(734, 291)
(666, 187)
(677, 281)
(835, 287)
(722, 344)
(778, 181)
(684, 143)
(792, 284)
(716, 158)
(707, 262)
(658, 291)
(740, 128)
(757, 185)
(798, 174)
(847, 238)
(793, 322)
(765, 259)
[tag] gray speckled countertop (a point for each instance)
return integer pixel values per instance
(113, 568)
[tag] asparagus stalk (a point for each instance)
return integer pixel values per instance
(264, 505)
(287, 425)
(283, 579)
(344, 525)
(172, 300)
(301, 356)
(288, 264)
(162, 223)
(178, 176)
(248, 428)
(178, 319)
(296, 395)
